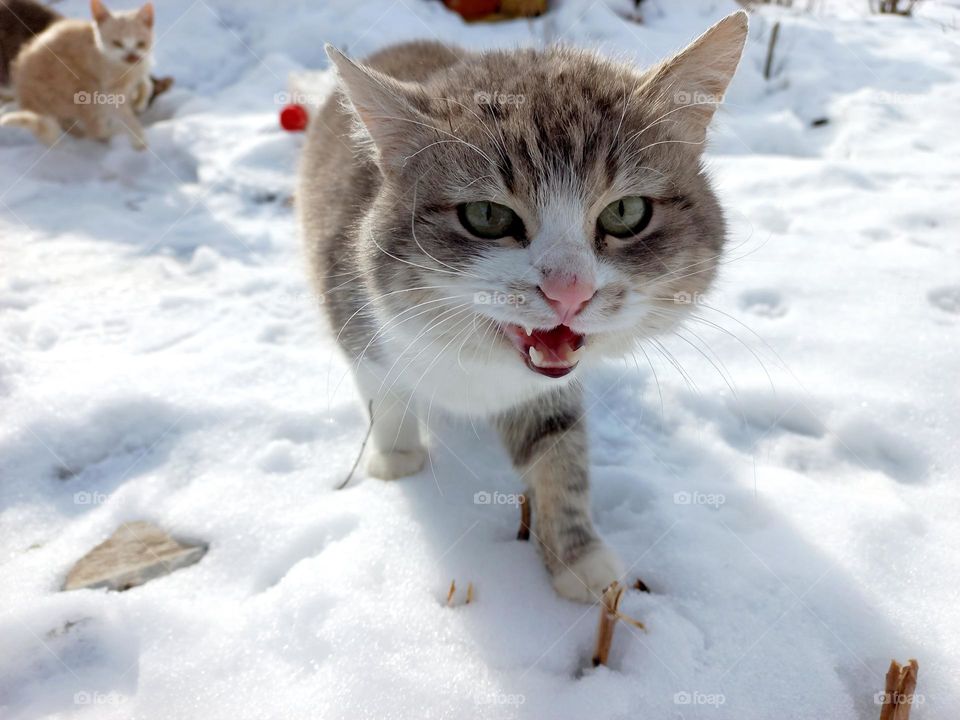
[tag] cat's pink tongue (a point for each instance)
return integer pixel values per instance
(553, 352)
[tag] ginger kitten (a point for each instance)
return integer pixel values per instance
(483, 227)
(87, 78)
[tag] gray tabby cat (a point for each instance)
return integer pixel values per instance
(484, 226)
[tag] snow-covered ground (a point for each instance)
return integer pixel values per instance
(791, 498)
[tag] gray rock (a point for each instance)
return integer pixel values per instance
(135, 553)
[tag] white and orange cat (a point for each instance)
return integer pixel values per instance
(89, 79)
(485, 226)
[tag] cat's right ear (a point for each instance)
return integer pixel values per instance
(99, 11)
(385, 107)
(145, 14)
(691, 84)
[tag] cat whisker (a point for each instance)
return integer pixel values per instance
(656, 378)
(413, 264)
(392, 321)
(410, 363)
(500, 146)
(429, 367)
(721, 368)
(676, 364)
(452, 314)
(664, 116)
(384, 295)
(692, 316)
(413, 231)
(436, 129)
(460, 351)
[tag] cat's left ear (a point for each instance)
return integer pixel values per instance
(99, 11)
(145, 14)
(691, 84)
(386, 107)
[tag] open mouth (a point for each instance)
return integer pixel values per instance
(554, 352)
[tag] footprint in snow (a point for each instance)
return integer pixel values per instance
(946, 298)
(279, 457)
(871, 446)
(303, 546)
(763, 302)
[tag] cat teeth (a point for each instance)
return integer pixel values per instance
(536, 357)
(527, 330)
(571, 358)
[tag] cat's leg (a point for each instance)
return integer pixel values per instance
(131, 125)
(396, 449)
(141, 94)
(546, 439)
(93, 121)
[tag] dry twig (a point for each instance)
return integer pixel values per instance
(768, 65)
(453, 591)
(524, 532)
(609, 614)
(898, 693)
(363, 446)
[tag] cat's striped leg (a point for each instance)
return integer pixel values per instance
(395, 447)
(546, 439)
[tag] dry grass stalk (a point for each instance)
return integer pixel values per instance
(768, 64)
(524, 532)
(453, 591)
(363, 446)
(609, 614)
(898, 693)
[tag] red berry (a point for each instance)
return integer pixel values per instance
(294, 118)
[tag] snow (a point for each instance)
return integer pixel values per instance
(790, 498)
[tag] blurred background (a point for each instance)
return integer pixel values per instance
(781, 473)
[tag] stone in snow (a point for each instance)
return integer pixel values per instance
(135, 553)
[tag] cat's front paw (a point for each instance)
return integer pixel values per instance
(141, 96)
(396, 463)
(588, 576)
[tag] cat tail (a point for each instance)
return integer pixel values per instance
(45, 127)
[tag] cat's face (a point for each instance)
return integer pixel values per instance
(124, 38)
(543, 207)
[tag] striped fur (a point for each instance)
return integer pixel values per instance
(555, 134)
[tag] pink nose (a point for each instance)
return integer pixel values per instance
(566, 295)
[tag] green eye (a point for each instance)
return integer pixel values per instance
(488, 219)
(625, 217)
